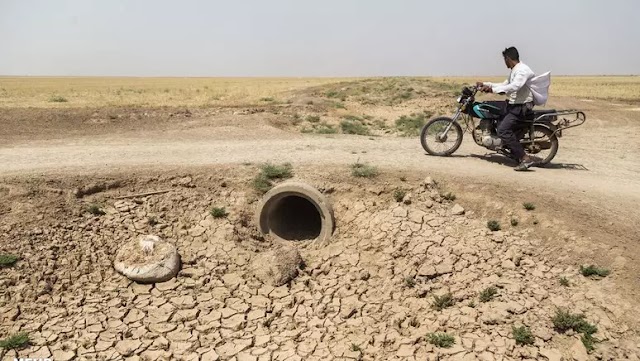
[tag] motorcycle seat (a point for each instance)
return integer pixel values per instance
(538, 112)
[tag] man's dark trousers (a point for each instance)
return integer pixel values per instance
(508, 126)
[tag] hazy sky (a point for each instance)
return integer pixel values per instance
(315, 38)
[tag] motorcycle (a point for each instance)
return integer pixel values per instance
(538, 135)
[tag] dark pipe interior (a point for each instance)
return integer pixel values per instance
(294, 218)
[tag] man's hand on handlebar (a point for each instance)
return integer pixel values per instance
(483, 88)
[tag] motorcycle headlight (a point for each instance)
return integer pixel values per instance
(459, 99)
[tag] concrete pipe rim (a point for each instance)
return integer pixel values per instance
(295, 211)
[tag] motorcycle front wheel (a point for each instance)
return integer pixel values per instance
(441, 136)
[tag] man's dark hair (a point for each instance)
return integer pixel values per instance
(511, 53)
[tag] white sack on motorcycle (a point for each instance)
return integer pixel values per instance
(539, 86)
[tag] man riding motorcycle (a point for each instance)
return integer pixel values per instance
(519, 103)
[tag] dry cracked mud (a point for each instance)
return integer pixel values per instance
(368, 294)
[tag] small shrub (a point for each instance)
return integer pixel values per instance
(326, 129)
(352, 117)
(410, 282)
(399, 195)
(355, 348)
(95, 210)
(271, 171)
(8, 260)
(522, 335)
(58, 99)
(296, 119)
(363, 170)
(514, 222)
(564, 281)
(442, 302)
(266, 99)
(488, 294)
(331, 94)
(493, 225)
(449, 196)
(588, 341)
(218, 212)
(310, 102)
(405, 95)
(354, 127)
(261, 184)
(403, 179)
(379, 123)
(268, 172)
(313, 118)
(564, 320)
(152, 221)
(441, 339)
(16, 341)
(472, 304)
(529, 206)
(593, 270)
(339, 106)
(411, 125)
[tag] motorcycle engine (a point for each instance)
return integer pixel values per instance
(491, 141)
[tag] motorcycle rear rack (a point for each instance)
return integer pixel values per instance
(563, 123)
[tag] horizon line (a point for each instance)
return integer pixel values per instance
(295, 77)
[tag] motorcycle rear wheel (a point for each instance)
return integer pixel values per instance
(435, 142)
(544, 147)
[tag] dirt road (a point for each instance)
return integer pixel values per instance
(596, 171)
(602, 175)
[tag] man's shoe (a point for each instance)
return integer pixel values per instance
(524, 166)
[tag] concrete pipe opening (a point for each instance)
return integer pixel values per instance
(295, 212)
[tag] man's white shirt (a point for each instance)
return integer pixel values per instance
(518, 85)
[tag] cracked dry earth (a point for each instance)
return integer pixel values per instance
(353, 299)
